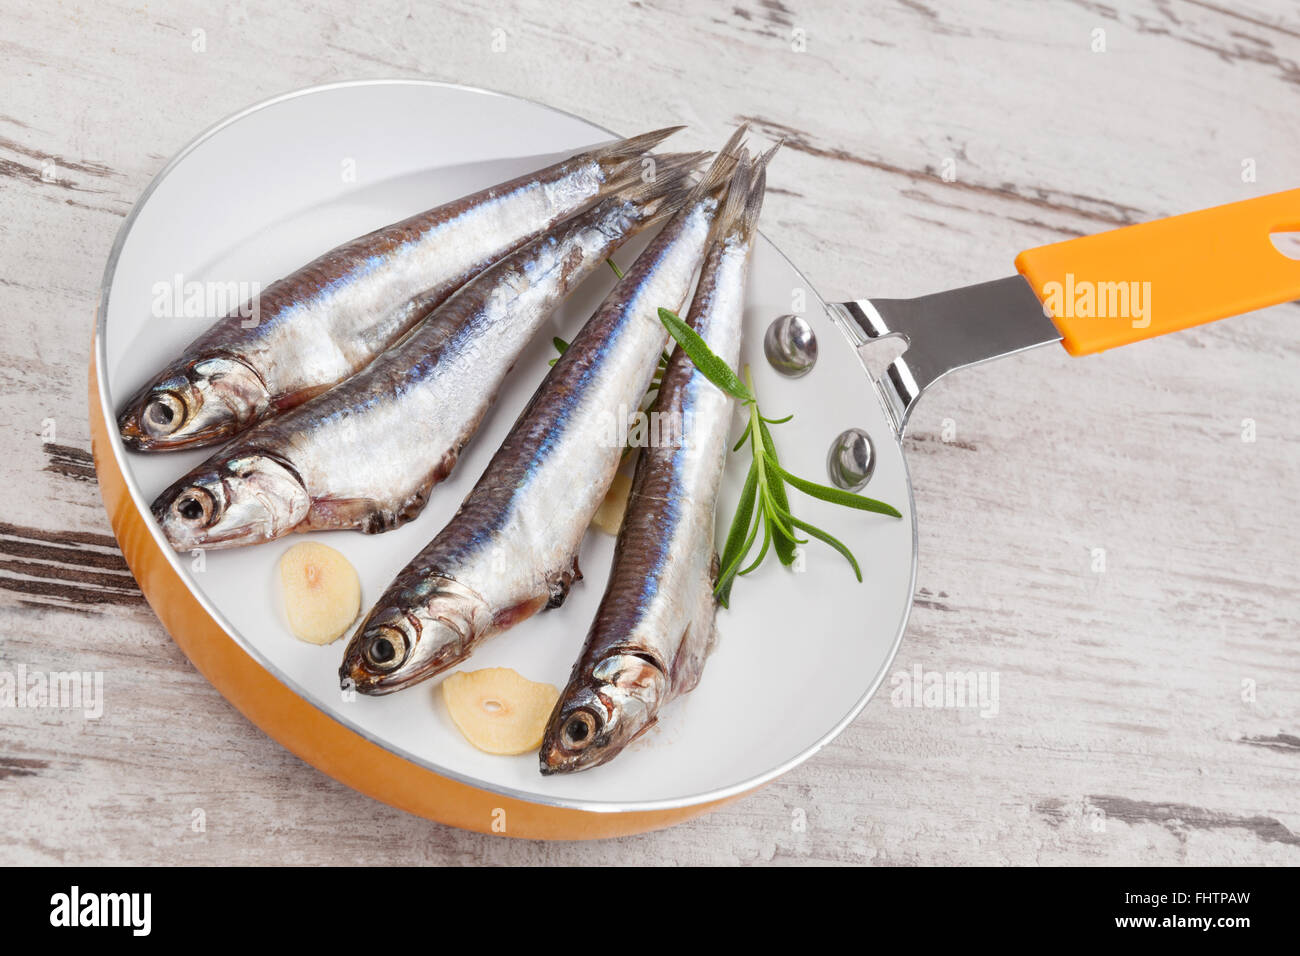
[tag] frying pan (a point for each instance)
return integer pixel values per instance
(266, 190)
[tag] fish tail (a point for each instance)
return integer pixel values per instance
(734, 145)
(718, 175)
(745, 194)
(731, 217)
(627, 152)
(661, 189)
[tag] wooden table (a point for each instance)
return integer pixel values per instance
(1149, 712)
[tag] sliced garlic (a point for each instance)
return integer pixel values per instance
(609, 516)
(499, 710)
(322, 593)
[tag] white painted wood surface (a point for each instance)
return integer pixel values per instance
(1149, 713)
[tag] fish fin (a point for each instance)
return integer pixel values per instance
(508, 617)
(730, 220)
(648, 724)
(294, 399)
(760, 163)
(560, 582)
(688, 664)
(745, 193)
(558, 586)
(733, 146)
(719, 174)
(758, 187)
(618, 155)
(351, 514)
(413, 505)
(699, 636)
(664, 190)
(411, 508)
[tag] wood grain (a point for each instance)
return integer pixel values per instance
(1149, 713)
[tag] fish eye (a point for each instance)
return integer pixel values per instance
(579, 730)
(194, 506)
(163, 414)
(385, 649)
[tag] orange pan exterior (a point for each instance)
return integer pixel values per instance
(310, 733)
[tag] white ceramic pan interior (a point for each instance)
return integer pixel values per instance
(798, 654)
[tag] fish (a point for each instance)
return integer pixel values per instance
(655, 625)
(366, 454)
(321, 324)
(511, 549)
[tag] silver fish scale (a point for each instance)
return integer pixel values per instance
(654, 627)
(392, 287)
(331, 317)
(665, 556)
(515, 539)
(659, 601)
(416, 406)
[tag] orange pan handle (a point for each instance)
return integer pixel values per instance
(1133, 283)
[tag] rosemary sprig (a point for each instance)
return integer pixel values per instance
(764, 504)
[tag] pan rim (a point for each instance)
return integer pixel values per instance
(120, 455)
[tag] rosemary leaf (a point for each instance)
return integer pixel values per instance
(723, 588)
(785, 542)
(830, 539)
(744, 437)
(711, 367)
(731, 552)
(834, 495)
(762, 551)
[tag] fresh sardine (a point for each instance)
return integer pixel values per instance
(329, 319)
(366, 454)
(511, 550)
(655, 624)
